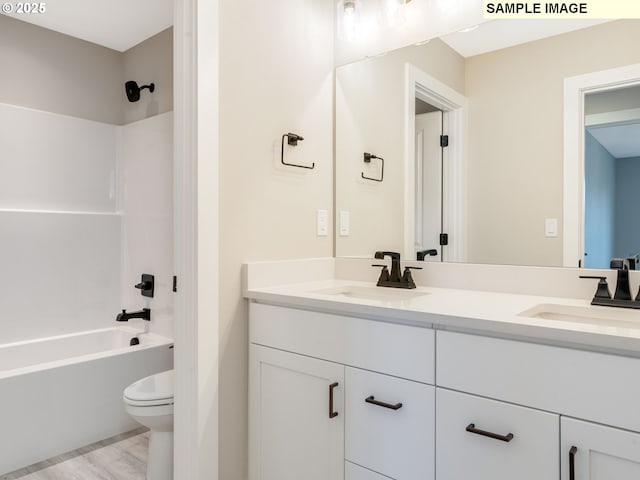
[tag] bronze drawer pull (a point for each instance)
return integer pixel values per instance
(572, 462)
(504, 438)
(332, 414)
(373, 401)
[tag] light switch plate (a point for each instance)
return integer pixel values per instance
(322, 223)
(550, 227)
(344, 223)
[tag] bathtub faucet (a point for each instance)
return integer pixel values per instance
(144, 314)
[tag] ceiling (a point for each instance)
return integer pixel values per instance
(115, 24)
(498, 34)
(613, 118)
(621, 141)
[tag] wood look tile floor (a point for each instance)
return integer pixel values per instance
(123, 457)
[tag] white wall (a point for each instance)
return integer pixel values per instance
(276, 76)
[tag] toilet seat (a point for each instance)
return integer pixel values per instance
(151, 391)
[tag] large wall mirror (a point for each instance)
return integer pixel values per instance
(496, 97)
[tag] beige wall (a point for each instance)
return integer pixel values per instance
(276, 76)
(46, 70)
(515, 138)
(370, 118)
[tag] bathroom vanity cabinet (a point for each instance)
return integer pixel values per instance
(337, 397)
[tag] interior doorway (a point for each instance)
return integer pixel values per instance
(450, 112)
(575, 91)
(428, 183)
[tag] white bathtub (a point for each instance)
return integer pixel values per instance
(61, 393)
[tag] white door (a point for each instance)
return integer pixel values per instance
(296, 417)
(596, 452)
(429, 184)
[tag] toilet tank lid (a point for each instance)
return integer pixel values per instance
(153, 387)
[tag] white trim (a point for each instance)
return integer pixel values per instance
(620, 117)
(196, 238)
(421, 85)
(575, 88)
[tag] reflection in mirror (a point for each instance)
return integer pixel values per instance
(611, 170)
(512, 180)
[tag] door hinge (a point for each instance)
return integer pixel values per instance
(444, 141)
(175, 284)
(444, 239)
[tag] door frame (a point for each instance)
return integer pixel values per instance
(196, 226)
(575, 89)
(419, 84)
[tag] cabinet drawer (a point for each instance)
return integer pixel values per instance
(399, 350)
(392, 433)
(356, 472)
(531, 453)
(587, 385)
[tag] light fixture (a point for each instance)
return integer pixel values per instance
(348, 12)
(395, 12)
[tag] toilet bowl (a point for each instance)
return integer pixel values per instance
(149, 401)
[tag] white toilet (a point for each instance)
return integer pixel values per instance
(149, 401)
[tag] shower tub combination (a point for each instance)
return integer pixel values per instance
(60, 393)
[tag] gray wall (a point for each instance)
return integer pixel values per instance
(149, 61)
(46, 70)
(627, 200)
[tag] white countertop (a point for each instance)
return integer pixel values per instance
(498, 314)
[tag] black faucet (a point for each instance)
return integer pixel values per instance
(622, 296)
(422, 254)
(144, 314)
(394, 278)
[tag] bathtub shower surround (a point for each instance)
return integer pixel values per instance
(145, 178)
(85, 209)
(59, 239)
(64, 392)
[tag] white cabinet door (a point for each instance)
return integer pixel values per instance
(296, 417)
(484, 439)
(390, 425)
(596, 452)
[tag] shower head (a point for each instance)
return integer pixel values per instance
(133, 90)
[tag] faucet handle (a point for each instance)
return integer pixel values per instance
(384, 274)
(603, 286)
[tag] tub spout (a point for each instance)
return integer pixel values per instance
(125, 316)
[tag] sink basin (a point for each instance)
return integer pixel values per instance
(601, 315)
(371, 293)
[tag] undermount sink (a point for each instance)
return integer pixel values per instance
(601, 315)
(371, 293)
